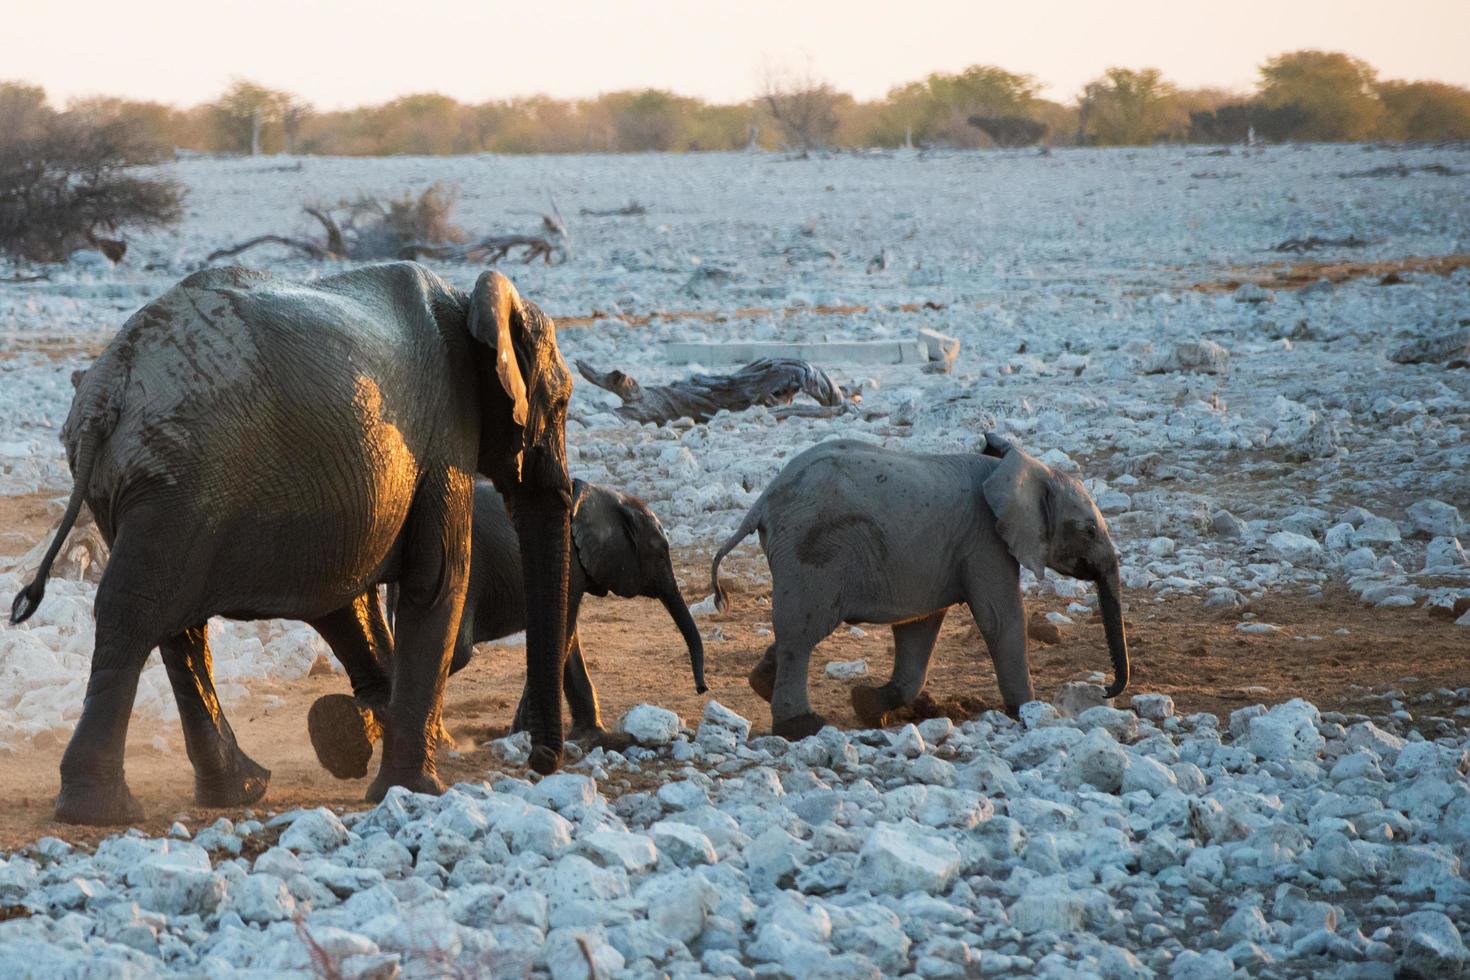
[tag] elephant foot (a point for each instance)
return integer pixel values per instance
(245, 781)
(545, 759)
(413, 780)
(97, 804)
(797, 728)
(601, 738)
(872, 705)
(763, 680)
(342, 734)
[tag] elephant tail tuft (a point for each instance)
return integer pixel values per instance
(753, 518)
(29, 598)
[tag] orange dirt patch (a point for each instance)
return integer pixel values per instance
(723, 316)
(1179, 648)
(1295, 275)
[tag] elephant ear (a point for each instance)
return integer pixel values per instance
(1019, 494)
(525, 393)
(604, 532)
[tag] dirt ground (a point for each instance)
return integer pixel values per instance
(1179, 648)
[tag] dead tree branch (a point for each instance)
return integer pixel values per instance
(768, 381)
(491, 250)
(310, 248)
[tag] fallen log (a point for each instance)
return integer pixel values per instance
(490, 249)
(630, 210)
(771, 382)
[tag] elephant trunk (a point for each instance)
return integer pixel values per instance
(1109, 598)
(679, 613)
(543, 526)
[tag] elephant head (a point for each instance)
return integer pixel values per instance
(623, 550)
(1048, 520)
(524, 389)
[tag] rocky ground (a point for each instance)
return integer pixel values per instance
(1278, 439)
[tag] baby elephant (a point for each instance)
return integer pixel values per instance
(619, 548)
(856, 533)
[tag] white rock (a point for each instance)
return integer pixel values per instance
(262, 899)
(580, 953)
(679, 904)
(720, 729)
(1075, 697)
(846, 670)
(1435, 519)
(1201, 356)
(317, 831)
(683, 844)
(1122, 725)
(1097, 760)
(1434, 947)
(1445, 554)
(650, 725)
(563, 791)
(1287, 731)
(898, 859)
(1148, 775)
(1295, 548)
(634, 853)
(1377, 530)
(1153, 707)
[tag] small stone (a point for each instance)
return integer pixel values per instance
(650, 725)
(1435, 519)
(898, 859)
(846, 670)
(1098, 760)
(720, 729)
(1295, 548)
(683, 844)
(1287, 732)
(1075, 697)
(1153, 707)
(1434, 947)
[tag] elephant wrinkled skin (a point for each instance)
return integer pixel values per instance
(256, 448)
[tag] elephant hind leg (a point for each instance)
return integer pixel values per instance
(223, 774)
(799, 626)
(94, 788)
(913, 647)
(762, 677)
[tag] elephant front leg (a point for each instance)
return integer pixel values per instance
(913, 648)
(223, 774)
(1000, 614)
(426, 622)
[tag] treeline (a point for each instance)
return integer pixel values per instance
(1300, 96)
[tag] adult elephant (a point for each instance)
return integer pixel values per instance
(256, 449)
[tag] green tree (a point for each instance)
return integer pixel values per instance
(248, 116)
(1337, 93)
(1425, 111)
(1130, 108)
(938, 109)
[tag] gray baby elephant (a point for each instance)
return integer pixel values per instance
(619, 547)
(856, 533)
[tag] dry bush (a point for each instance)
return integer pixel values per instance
(374, 229)
(61, 188)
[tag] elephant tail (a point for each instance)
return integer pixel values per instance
(29, 598)
(753, 519)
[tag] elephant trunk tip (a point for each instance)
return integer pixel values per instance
(1119, 685)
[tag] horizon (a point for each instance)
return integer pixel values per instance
(720, 53)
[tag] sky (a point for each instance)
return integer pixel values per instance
(338, 53)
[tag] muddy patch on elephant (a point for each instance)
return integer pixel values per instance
(822, 543)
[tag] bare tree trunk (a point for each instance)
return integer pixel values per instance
(255, 133)
(768, 381)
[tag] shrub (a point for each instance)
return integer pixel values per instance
(70, 181)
